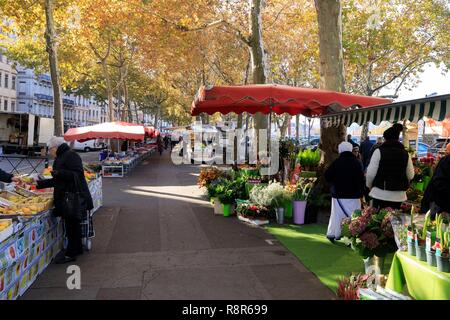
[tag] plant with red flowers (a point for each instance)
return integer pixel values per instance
(348, 288)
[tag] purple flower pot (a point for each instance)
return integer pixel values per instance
(299, 212)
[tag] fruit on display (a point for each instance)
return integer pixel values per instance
(4, 224)
(89, 175)
(27, 205)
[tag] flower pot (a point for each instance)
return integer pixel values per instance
(227, 209)
(443, 264)
(288, 210)
(411, 248)
(420, 253)
(280, 215)
(218, 209)
(374, 263)
(426, 182)
(299, 212)
(431, 258)
(419, 186)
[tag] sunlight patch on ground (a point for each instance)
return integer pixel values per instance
(167, 195)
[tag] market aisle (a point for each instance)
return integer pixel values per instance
(156, 238)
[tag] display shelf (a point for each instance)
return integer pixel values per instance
(113, 171)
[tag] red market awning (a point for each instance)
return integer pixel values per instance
(149, 130)
(275, 98)
(107, 130)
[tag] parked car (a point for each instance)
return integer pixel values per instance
(437, 147)
(90, 145)
(422, 150)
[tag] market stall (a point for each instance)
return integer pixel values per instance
(421, 265)
(120, 163)
(424, 282)
(29, 238)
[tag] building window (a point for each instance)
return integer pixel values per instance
(13, 106)
(6, 80)
(13, 83)
(0, 79)
(5, 105)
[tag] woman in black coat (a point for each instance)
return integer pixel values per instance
(346, 176)
(67, 167)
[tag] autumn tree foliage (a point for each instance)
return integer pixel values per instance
(154, 55)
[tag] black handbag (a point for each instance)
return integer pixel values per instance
(74, 204)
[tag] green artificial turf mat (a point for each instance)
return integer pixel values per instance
(326, 260)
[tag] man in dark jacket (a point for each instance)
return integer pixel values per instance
(437, 195)
(67, 167)
(349, 139)
(346, 177)
(366, 146)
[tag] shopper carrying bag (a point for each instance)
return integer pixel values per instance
(71, 194)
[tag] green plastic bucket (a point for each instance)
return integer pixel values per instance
(226, 210)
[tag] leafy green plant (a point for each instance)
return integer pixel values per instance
(422, 232)
(308, 158)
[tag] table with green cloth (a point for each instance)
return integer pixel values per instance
(423, 281)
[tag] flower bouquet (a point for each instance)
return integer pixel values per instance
(370, 232)
(207, 175)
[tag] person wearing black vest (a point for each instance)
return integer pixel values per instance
(390, 171)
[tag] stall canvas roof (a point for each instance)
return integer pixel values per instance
(279, 99)
(435, 107)
(107, 130)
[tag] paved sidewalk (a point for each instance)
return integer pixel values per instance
(157, 238)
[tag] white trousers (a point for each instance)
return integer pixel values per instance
(340, 209)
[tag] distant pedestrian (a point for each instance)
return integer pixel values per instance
(349, 139)
(166, 141)
(366, 146)
(390, 171)
(160, 145)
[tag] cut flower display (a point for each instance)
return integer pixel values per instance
(370, 232)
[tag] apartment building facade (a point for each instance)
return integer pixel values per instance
(8, 85)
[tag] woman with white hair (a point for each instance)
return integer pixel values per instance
(346, 176)
(68, 177)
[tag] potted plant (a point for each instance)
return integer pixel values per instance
(214, 189)
(418, 178)
(442, 246)
(410, 235)
(421, 236)
(207, 175)
(429, 244)
(227, 197)
(278, 195)
(300, 196)
(309, 159)
(370, 234)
